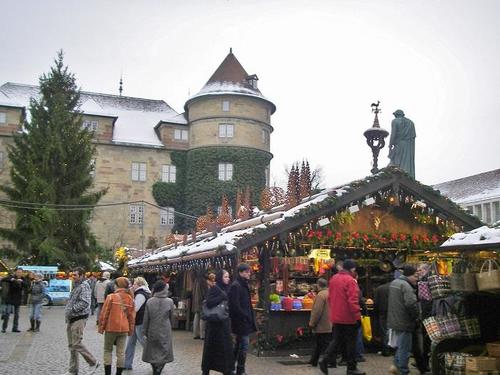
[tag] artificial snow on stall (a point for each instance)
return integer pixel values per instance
(480, 236)
(226, 240)
(106, 266)
(134, 119)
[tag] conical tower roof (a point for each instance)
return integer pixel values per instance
(231, 78)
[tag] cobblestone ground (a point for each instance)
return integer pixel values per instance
(46, 353)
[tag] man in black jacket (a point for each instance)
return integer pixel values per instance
(241, 314)
(16, 285)
(381, 305)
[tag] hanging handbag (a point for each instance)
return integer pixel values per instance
(443, 326)
(438, 284)
(424, 292)
(489, 280)
(469, 325)
(454, 363)
(462, 280)
(217, 313)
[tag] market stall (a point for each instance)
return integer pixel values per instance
(467, 338)
(380, 222)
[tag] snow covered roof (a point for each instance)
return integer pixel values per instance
(230, 78)
(135, 118)
(106, 266)
(243, 235)
(482, 186)
(226, 240)
(484, 236)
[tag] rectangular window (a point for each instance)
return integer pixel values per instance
(225, 171)
(267, 172)
(180, 135)
(230, 209)
(138, 171)
(496, 210)
(136, 213)
(91, 126)
(265, 137)
(92, 168)
(167, 216)
(1, 161)
(478, 211)
(470, 209)
(168, 173)
(226, 131)
(487, 213)
(225, 105)
(3, 118)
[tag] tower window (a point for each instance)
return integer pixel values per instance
(3, 117)
(168, 173)
(225, 171)
(226, 131)
(225, 105)
(1, 160)
(180, 135)
(252, 80)
(265, 137)
(92, 168)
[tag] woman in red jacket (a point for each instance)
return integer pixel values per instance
(117, 320)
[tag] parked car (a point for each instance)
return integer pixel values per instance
(57, 292)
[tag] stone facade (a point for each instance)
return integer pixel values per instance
(134, 138)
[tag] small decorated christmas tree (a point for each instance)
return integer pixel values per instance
(224, 218)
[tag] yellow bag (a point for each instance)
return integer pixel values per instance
(366, 328)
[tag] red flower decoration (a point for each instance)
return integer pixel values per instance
(355, 235)
(365, 237)
(300, 331)
(329, 233)
(394, 236)
(310, 234)
(338, 236)
(279, 338)
(319, 234)
(402, 237)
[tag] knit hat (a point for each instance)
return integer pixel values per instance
(243, 267)
(121, 282)
(409, 270)
(349, 264)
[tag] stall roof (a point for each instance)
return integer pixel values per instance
(480, 238)
(244, 235)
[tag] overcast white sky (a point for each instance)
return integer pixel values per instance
(322, 62)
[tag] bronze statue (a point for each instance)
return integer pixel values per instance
(402, 143)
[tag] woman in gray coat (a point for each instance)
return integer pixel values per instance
(157, 329)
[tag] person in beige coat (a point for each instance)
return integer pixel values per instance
(320, 321)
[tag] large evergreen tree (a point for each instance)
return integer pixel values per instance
(51, 167)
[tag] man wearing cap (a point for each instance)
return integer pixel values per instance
(345, 315)
(402, 316)
(241, 314)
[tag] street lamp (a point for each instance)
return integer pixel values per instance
(375, 137)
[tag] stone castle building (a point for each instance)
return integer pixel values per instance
(219, 144)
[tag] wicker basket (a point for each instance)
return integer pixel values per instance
(493, 349)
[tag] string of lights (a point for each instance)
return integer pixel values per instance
(79, 207)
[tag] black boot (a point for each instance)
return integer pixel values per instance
(5, 323)
(37, 327)
(119, 370)
(355, 371)
(32, 325)
(240, 367)
(107, 369)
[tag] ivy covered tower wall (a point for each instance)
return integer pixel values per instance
(229, 138)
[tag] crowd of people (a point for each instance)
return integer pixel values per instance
(128, 311)
(336, 320)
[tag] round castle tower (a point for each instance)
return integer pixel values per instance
(229, 138)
